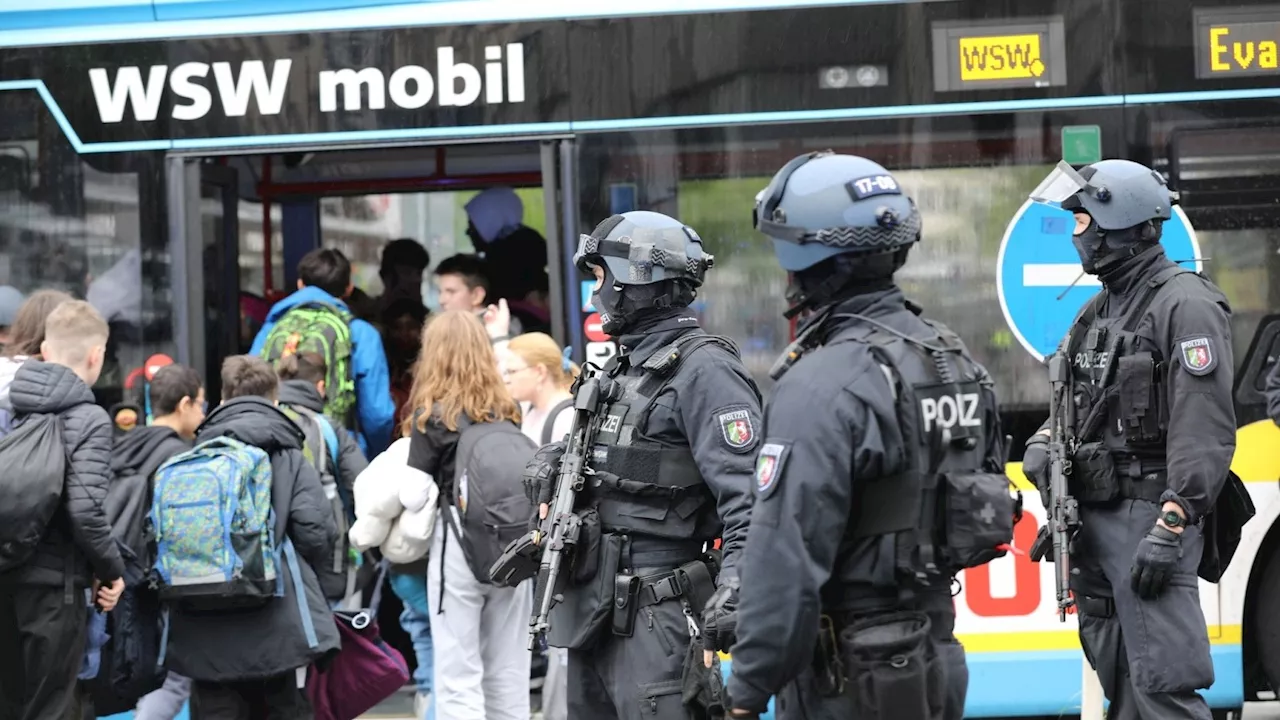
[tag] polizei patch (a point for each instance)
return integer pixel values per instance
(1197, 355)
(736, 429)
(769, 465)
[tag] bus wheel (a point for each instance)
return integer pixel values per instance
(1266, 622)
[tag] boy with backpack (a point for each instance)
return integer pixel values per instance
(335, 455)
(244, 632)
(178, 403)
(316, 319)
(55, 540)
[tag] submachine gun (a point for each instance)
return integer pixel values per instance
(545, 552)
(1063, 510)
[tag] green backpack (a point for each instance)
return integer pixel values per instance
(326, 330)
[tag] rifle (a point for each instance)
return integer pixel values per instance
(1063, 511)
(542, 553)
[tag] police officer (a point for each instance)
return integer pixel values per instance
(670, 472)
(881, 420)
(1151, 373)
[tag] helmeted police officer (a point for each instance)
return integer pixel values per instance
(1151, 368)
(881, 473)
(670, 471)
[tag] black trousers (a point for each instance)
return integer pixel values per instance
(275, 698)
(42, 639)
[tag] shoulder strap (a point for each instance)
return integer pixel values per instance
(548, 426)
(330, 438)
(1087, 315)
(661, 368)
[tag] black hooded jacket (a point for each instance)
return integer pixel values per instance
(136, 457)
(351, 462)
(79, 538)
(267, 641)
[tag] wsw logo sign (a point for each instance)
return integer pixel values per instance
(198, 88)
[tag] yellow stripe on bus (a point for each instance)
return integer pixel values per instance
(1063, 640)
(1255, 460)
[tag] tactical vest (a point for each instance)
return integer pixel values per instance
(1120, 410)
(642, 485)
(947, 509)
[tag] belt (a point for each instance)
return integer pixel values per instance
(659, 588)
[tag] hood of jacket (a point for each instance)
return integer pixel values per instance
(496, 212)
(308, 294)
(40, 387)
(255, 421)
(301, 393)
(137, 448)
(8, 368)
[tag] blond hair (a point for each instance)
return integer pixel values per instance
(73, 329)
(540, 350)
(457, 373)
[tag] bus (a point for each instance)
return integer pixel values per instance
(168, 158)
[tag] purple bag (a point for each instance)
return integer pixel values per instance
(364, 672)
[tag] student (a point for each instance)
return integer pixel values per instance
(402, 323)
(480, 631)
(302, 379)
(42, 600)
(462, 282)
(324, 281)
(25, 336)
(538, 375)
(245, 660)
(178, 404)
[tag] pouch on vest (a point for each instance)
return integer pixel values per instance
(1138, 400)
(1093, 474)
(580, 619)
(893, 669)
(979, 517)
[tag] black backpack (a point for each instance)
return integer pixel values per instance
(35, 462)
(490, 466)
(130, 659)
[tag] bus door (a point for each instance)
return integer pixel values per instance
(204, 205)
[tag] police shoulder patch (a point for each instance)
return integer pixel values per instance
(769, 464)
(737, 429)
(1197, 354)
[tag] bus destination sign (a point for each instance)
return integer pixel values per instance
(974, 55)
(1232, 42)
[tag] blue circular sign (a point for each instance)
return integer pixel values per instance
(1038, 265)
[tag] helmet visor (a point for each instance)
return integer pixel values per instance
(1059, 185)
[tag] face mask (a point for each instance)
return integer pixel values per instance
(608, 302)
(1090, 247)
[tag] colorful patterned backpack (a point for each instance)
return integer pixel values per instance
(214, 527)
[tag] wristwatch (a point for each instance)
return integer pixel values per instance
(1172, 519)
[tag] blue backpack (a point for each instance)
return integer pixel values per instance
(214, 527)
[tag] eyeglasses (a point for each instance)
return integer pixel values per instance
(508, 372)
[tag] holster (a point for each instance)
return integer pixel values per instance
(894, 672)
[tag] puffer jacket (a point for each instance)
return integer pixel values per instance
(270, 640)
(351, 462)
(79, 539)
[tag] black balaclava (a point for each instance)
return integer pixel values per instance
(1100, 250)
(624, 309)
(842, 277)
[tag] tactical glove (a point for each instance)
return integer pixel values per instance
(1035, 465)
(720, 617)
(540, 475)
(1155, 562)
